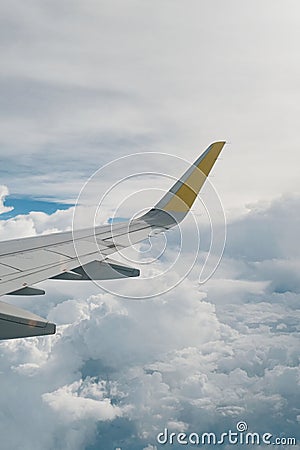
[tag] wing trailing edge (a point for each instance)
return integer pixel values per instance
(99, 270)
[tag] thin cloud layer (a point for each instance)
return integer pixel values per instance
(80, 84)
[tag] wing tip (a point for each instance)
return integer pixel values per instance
(50, 328)
(218, 143)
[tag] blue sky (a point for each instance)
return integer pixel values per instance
(85, 83)
(25, 204)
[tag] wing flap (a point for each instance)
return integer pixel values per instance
(105, 270)
(27, 290)
(17, 323)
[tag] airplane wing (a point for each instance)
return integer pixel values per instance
(27, 261)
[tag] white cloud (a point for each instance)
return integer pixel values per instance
(192, 359)
(35, 222)
(74, 403)
(3, 194)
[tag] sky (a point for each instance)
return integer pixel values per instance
(85, 83)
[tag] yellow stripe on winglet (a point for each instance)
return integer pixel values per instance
(189, 188)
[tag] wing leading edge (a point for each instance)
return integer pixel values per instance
(25, 262)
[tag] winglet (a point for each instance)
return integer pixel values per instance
(179, 199)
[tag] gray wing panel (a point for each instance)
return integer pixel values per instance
(31, 260)
(17, 323)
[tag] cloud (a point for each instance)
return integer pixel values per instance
(75, 91)
(75, 402)
(198, 358)
(276, 234)
(35, 223)
(3, 194)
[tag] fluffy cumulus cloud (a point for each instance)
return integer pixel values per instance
(199, 358)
